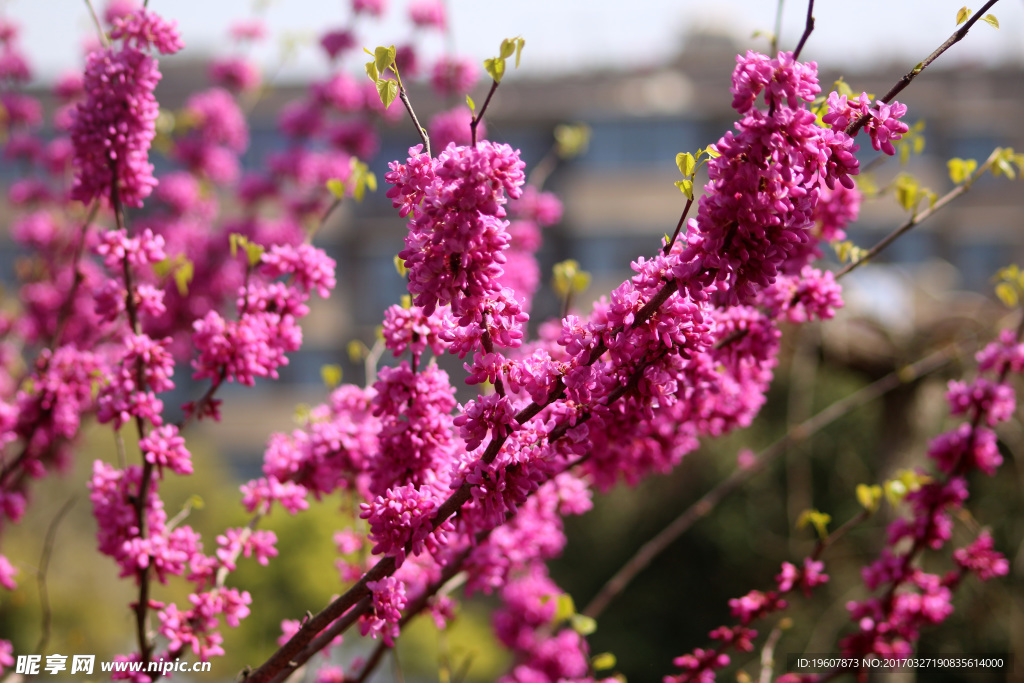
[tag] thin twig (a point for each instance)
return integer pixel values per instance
(768, 654)
(312, 636)
(104, 40)
(479, 116)
(415, 121)
(778, 28)
(667, 536)
(41, 573)
(808, 28)
(957, 36)
(679, 226)
(918, 218)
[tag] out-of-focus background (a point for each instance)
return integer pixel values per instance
(650, 79)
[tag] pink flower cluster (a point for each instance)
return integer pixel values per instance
(766, 179)
(912, 598)
(701, 664)
(254, 345)
(114, 126)
(456, 235)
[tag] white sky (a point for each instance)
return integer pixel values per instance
(561, 34)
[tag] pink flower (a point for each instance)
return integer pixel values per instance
(372, 7)
(235, 74)
(7, 572)
(454, 76)
(144, 30)
(388, 602)
(981, 558)
(452, 127)
(336, 42)
(163, 447)
(428, 13)
(114, 126)
(252, 29)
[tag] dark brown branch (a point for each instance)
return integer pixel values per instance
(808, 28)
(478, 117)
(957, 36)
(415, 121)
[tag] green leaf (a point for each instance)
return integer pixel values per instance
(254, 252)
(819, 520)
(961, 169)
(336, 188)
(356, 351)
(991, 20)
(183, 276)
(686, 187)
(400, 266)
(571, 139)
(161, 268)
(520, 44)
(895, 492)
(686, 163)
(372, 72)
(507, 49)
(495, 68)
(869, 497)
(564, 609)
(383, 57)
(583, 624)
(570, 278)
(907, 190)
(471, 105)
(1007, 293)
(603, 661)
(331, 375)
(962, 15)
(235, 239)
(388, 91)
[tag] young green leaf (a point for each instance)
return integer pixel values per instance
(400, 266)
(686, 163)
(907, 190)
(183, 276)
(819, 520)
(331, 375)
(336, 188)
(603, 661)
(686, 187)
(471, 105)
(963, 15)
(583, 624)
(383, 57)
(388, 91)
(869, 497)
(1008, 294)
(991, 20)
(507, 49)
(564, 608)
(372, 72)
(571, 140)
(495, 68)
(570, 278)
(254, 252)
(520, 44)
